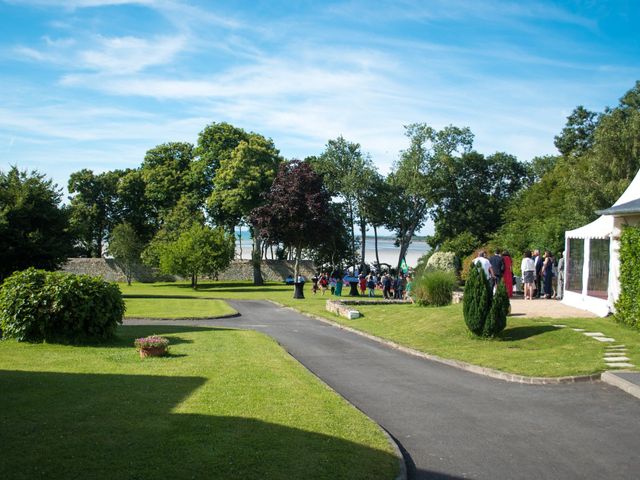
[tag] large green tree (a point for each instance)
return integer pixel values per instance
(93, 208)
(471, 193)
(415, 177)
(601, 155)
(243, 175)
(200, 250)
(349, 174)
(34, 228)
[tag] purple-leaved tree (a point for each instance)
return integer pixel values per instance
(295, 212)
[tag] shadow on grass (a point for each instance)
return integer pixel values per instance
(95, 426)
(520, 333)
(126, 334)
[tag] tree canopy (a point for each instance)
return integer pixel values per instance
(34, 227)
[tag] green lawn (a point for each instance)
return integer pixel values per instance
(176, 308)
(527, 346)
(226, 404)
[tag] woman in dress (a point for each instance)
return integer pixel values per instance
(508, 273)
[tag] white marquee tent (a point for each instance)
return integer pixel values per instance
(592, 263)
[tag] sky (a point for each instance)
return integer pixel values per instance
(96, 83)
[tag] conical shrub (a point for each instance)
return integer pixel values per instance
(497, 318)
(476, 302)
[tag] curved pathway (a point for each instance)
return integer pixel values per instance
(455, 424)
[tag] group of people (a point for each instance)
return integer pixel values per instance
(539, 273)
(399, 287)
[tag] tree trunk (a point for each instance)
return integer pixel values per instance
(194, 281)
(256, 260)
(240, 240)
(298, 293)
(375, 242)
(363, 244)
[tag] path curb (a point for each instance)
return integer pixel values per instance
(612, 379)
(487, 372)
(166, 319)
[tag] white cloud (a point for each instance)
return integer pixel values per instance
(125, 55)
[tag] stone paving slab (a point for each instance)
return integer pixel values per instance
(594, 334)
(620, 365)
(604, 339)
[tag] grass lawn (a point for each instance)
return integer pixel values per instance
(225, 404)
(527, 346)
(176, 308)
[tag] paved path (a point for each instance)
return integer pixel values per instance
(454, 424)
(547, 308)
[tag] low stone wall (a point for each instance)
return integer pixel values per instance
(108, 269)
(272, 270)
(343, 307)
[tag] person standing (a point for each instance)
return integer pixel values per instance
(508, 273)
(481, 260)
(547, 274)
(409, 289)
(497, 265)
(560, 286)
(528, 269)
(386, 286)
(537, 260)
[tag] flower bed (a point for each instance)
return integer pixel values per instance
(152, 346)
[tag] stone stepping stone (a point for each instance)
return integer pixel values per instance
(604, 339)
(620, 365)
(616, 347)
(578, 329)
(593, 334)
(616, 359)
(614, 353)
(559, 326)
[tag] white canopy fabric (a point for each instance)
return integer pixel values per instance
(599, 228)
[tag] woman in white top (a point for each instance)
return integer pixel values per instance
(528, 269)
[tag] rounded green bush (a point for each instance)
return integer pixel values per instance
(36, 305)
(435, 287)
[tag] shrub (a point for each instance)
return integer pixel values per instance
(476, 302)
(627, 305)
(445, 261)
(484, 313)
(497, 318)
(36, 305)
(435, 287)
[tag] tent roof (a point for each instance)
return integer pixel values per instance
(602, 227)
(632, 207)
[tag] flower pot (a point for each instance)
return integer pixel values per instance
(152, 352)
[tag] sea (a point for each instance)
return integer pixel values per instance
(387, 251)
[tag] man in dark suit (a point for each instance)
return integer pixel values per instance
(539, 263)
(497, 265)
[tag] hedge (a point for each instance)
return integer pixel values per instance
(36, 305)
(628, 304)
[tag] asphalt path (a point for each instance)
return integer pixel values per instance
(454, 424)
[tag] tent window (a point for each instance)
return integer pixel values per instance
(598, 269)
(575, 264)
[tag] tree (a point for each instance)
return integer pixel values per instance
(243, 175)
(484, 314)
(126, 246)
(170, 173)
(93, 208)
(197, 251)
(577, 136)
(471, 193)
(332, 247)
(414, 178)
(296, 209)
(348, 174)
(34, 228)
(132, 206)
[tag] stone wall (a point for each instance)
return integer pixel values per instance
(108, 268)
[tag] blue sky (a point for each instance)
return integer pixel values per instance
(94, 84)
